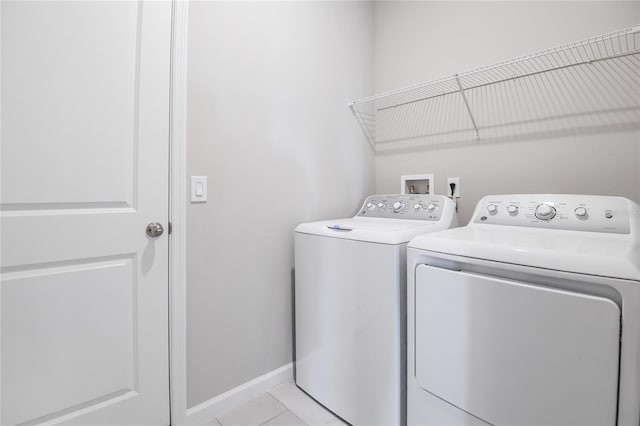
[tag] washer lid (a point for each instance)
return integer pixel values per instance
(608, 255)
(377, 230)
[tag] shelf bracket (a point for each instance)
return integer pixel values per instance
(466, 104)
(367, 133)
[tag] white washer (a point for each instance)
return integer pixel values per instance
(350, 297)
(529, 315)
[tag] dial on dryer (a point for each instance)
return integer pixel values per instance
(545, 211)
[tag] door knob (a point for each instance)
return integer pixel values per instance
(154, 229)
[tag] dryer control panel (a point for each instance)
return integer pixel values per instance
(406, 206)
(558, 211)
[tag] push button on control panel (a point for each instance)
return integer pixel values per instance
(581, 213)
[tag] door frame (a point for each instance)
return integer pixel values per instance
(178, 215)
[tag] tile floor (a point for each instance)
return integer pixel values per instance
(283, 405)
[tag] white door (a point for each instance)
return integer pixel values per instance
(84, 169)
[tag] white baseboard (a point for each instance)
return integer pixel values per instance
(205, 411)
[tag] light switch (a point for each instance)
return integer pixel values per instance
(198, 189)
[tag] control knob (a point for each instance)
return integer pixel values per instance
(545, 212)
(581, 213)
(397, 206)
(418, 206)
(381, 205)
(512, 210)
(371, 206)
(492, 209)
(432, 207)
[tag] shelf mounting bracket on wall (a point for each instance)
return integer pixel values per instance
(466, 104)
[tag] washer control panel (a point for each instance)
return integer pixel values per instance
(570, 212)
(404, 206)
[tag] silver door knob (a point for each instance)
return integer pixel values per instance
(154, 229)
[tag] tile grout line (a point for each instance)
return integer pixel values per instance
(334, 417)
(277, 415)
(280, 413)
(282, 409)
(284, 404)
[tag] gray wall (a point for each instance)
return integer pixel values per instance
(422, 41)
(268, 85)
(268, 124)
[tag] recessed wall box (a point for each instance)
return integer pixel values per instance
(417, 184)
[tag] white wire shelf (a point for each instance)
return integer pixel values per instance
(588, 86)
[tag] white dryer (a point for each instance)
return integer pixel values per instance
(350, 298)
(529, 315)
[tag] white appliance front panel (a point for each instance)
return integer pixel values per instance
(349, 318)
(511, 353)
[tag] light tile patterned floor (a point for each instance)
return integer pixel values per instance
(283, 405)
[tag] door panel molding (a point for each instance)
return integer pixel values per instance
(85, 103)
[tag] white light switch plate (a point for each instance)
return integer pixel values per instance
(198, 189)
